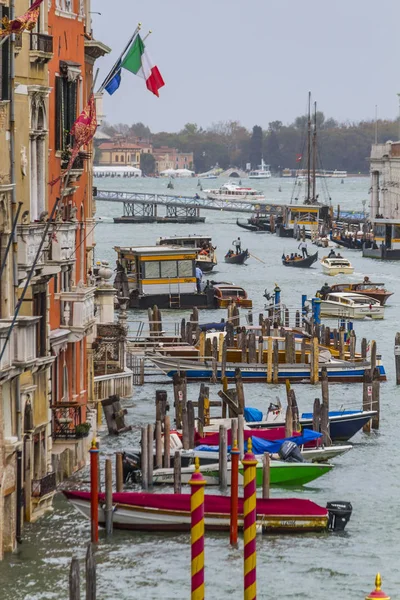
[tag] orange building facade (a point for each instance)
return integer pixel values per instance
(71, 292)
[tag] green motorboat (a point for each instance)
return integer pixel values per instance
(281, 473)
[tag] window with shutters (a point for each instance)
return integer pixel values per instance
(4, 61)
(66, 107)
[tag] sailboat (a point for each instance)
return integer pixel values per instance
(310, 174)
(262, 173)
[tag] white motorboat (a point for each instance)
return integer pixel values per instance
(231, 191)
(262, 173)
(335, 265)
(352, 306)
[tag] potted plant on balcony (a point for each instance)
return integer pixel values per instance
(82, 430)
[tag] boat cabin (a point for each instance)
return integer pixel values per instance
(226, 294)
(155, 270)
(387, 232)
(348, 299)
(187, 241)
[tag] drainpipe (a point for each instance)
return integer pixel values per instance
(13, 234)
(20, 502)
(12, 156)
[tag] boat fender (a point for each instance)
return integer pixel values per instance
(339, 514)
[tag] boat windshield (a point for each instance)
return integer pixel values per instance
(233, 293)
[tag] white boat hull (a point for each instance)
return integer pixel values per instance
(332, 271)
(335, 309)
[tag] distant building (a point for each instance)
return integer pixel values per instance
(171, 158)
(120, 153)
(385, 181)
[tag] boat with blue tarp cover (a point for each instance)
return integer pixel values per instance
(344, 424)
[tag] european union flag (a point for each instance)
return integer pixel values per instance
(115, 81)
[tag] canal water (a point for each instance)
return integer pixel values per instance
(151, 566)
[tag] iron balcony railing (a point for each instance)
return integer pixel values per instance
(45, 485)
(66, 417)
(42, 42)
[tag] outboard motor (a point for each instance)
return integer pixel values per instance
(339, 515)
(131, 464)
(290, 452)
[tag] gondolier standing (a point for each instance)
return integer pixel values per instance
(199, 275)
(303, 248)
(238, 245)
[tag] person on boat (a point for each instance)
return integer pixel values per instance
(292, 256)
(332, 254)
(338, 255)
(303, 247)
(325, 290)
(197, 197)
(199, 276)
(366, 279)
(238, 245)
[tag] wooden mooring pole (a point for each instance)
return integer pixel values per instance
(177, 472)
(397, 357)
(266, 476)
(109, 500)
(235, 454)
(90, 567)
(119, 471)
(94, 492)
(74, 580)
(223, 457)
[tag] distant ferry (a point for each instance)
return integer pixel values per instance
(302, 173)
(262, 173)
(231, 191)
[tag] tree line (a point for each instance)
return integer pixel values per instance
(342, 146)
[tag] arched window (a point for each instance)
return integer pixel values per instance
(116, 158)
(122, 158)
(37, 152)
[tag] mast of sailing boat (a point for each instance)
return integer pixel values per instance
(314, 154)
(309, 149)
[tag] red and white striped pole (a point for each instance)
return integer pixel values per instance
(197, 483)
(249, 463)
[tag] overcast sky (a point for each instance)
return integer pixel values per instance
(254, 60)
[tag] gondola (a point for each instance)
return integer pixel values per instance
(236, 259)
(302, 263)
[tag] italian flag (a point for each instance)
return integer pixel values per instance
(137, 61)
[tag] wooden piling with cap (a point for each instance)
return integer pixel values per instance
(177, 472)
(167, 443)
(397, 357)
(119, 472)
(367, 396)
(223, 457)
(376, 397)
(144, 452)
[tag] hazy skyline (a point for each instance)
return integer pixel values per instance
(253, 62)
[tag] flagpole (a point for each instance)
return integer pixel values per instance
(111, 73)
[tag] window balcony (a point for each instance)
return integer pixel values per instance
(25, 347)
(21, 350)
(6, 363)
(29, 238)
(44, 486)
(41, 49)
(77, 312)
(62, 243)
(67, 419)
